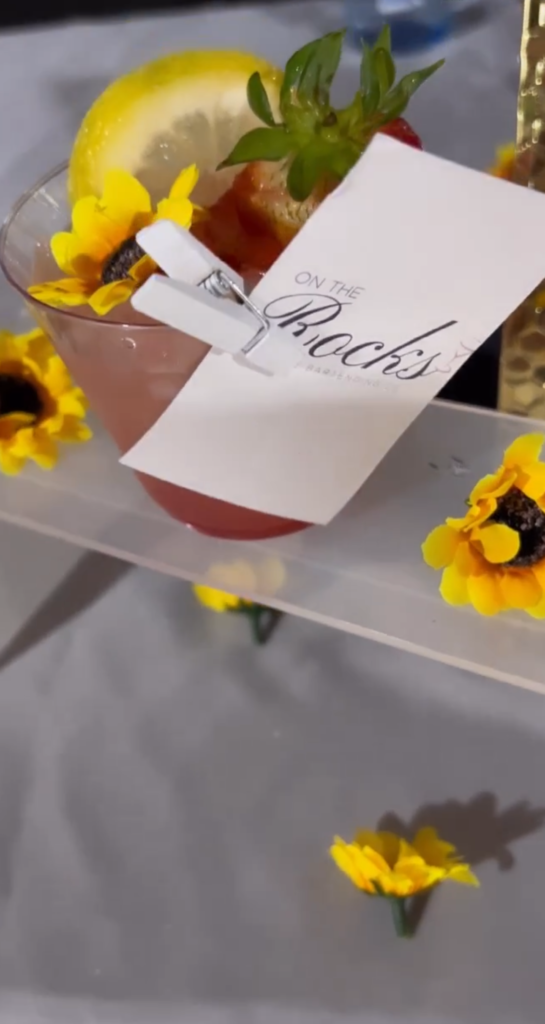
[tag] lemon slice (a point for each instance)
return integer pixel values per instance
(182, 109)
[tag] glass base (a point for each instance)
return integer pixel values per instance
(216, 518)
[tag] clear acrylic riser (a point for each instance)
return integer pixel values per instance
(363, 573)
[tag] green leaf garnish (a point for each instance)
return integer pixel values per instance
(295, 68)
(384, 68)
(307, 168)
(397, 100)
(369, 84)
(318, 141)
(260, 144)
(259, 101)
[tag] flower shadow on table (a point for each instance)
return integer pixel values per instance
(479, 829)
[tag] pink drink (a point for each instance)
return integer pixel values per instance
(130, 372)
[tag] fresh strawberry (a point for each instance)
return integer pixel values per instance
(242, 246)
(401, 130)
(293, 163)
(265, 205)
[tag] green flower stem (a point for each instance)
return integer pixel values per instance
(263, 620)
(399, 914)
(254, 615)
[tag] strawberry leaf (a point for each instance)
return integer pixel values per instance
(295, 69)
(303, 174)
(342, 160)
(384, 69)
(259, 101)
(310, 165)
(398, 98)
(369, 84)
(320, 70)
(260, 144)
(384, 39)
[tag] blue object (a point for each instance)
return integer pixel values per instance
(415, 24)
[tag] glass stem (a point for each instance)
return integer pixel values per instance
(399, 914)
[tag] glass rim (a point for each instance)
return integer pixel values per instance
(61, 311)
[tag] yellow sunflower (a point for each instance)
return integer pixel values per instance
(494, 557)
(39, 405)
(104, 263)
(384, 864)
(219, 600)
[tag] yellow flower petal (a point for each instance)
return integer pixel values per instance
(56, 377)
(468, 560)
(185, 183)
(10, 464)
(485, 594)
(432, 849)
(525, 449)
(539, 573)
(492, 486)
(417, 875)
(98, 235)
(533, 482)
(9, 348)
(69, 291)
(124, 197)
(384, 843)
(72, 404)
(439, 548)
(45, 453)
(538, 610)
(462, 874)
(108, 296)
(476, 515)
(143, 269)
(521, 589)
(453, 588)
(394, 884)
(38, 346)
(73, 431)
(178, 210)
(12, 422)
(217, 600)
(499, 542)
(23, 444)
(61, 248)
(374, 862)
(347, 859)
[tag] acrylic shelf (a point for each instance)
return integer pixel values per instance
(363, 573)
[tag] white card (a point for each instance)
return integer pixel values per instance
(402, 273)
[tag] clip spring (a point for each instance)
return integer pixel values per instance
(219, 284)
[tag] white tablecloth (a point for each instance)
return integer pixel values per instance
(167, 791)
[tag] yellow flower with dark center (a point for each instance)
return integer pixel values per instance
(384, 864)
(494, 557)
(39, 405)
(504, 165)
(104, 263)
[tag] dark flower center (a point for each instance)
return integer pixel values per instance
(18, 395)
(525, 516)
(118, 265)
